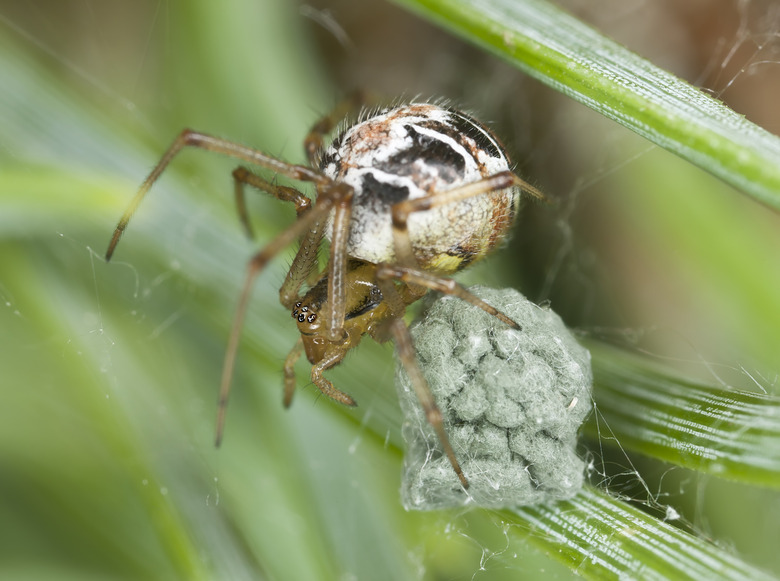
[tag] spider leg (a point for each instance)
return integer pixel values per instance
(242, 176)
(337, 263)
(419, 278)
(257, 263)
(403, 342)
(401, 211)
(326, 387)
(303, 264)
(289, 371)
(306, 257)
(337, 268)
(190, 138)
(314, 140)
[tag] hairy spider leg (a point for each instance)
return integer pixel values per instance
(415, 277)
(257, 263)
(400, 212)
(289, 371)
(310, 225)
(405, 346)
(416, 282)
(301, 267)
(325, 386)
(306, 257)
(337, 261)
(337, 269)
(190, 138)
(243, 176)
(315, 139)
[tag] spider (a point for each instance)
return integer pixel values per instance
(406, 195)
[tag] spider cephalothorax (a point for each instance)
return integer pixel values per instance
(407, 195)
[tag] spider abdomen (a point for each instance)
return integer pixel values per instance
(414, 151)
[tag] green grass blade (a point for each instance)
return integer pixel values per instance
(602, 538)
(561, 51)
(727, 433)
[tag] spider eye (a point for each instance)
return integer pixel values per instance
(298, 311)
(303, 313)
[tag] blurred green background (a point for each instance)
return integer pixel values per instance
(108, 373)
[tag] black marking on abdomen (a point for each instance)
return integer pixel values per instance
(426, 151)
(466, 256)
(381, 194)
(466, 125)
